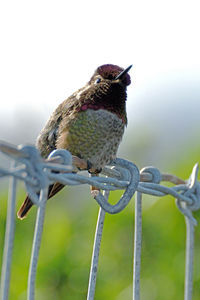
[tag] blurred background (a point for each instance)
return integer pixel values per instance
(50, 49)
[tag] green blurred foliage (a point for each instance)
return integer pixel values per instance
(64, 261)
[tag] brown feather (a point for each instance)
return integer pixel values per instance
(56, 187)
(27, 204)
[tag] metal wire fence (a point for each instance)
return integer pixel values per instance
(38, 174)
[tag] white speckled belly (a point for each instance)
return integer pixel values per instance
(95, 135)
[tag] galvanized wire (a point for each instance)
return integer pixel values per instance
(137, 246)
(96, 250)
(9, 240)
(36, 244)
(38, 174)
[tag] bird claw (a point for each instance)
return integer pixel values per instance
(83, 165)
(94, 191)
(79, 163)
(93, 170)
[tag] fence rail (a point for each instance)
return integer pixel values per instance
(28, 166)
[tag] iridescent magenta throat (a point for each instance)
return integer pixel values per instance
(85, 106)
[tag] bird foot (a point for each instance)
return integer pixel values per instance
(94, 191)
(79, 163)
(92, 170)
(83, 165)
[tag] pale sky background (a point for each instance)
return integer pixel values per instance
(51, 48)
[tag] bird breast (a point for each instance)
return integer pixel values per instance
(93, 135)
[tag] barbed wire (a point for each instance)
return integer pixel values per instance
(38, 173)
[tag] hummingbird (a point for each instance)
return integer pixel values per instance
(90, 123)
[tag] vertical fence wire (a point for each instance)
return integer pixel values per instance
(96, 250)
(36, 244)
(137, 246)
(189, 259)
(9, 239)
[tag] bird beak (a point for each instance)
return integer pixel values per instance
(123, 73)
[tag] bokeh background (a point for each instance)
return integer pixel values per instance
(48, 50)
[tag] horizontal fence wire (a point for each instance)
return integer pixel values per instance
(38, 174)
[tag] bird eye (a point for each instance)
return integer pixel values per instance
(98, 80)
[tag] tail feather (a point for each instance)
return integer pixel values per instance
(54, 189)
(27, 204)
